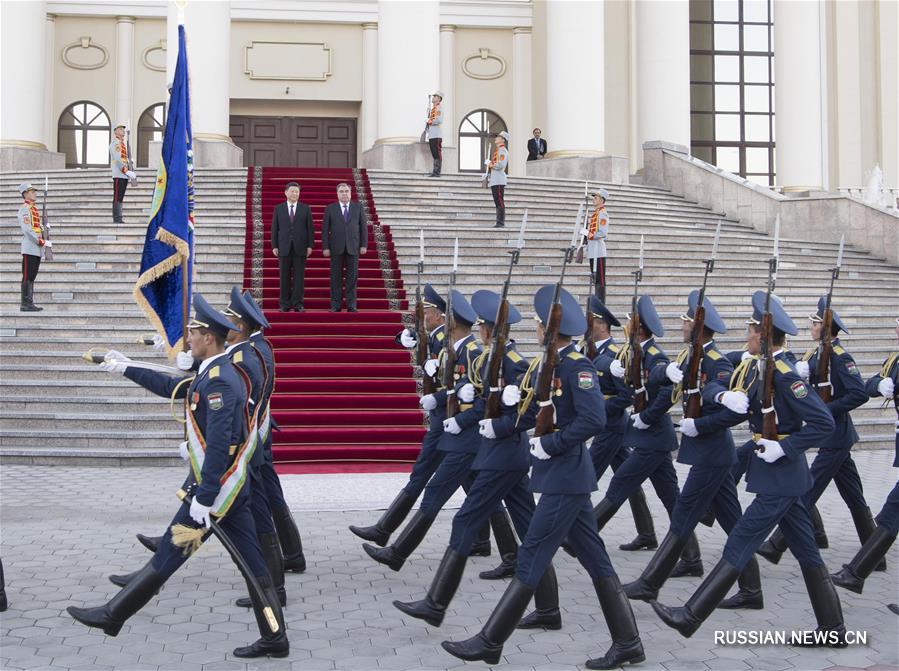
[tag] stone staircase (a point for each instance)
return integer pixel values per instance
(678, 236)
(55, 406)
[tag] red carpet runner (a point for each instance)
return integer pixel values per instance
(345, 398)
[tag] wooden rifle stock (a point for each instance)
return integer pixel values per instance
(589, 341)
(544, 389)
(825, 349)
(421, 350)
(769, 418)
(635, 369)
(495, 361)
(692, 395)
(449, 360)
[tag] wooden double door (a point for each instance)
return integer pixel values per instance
(308, 142)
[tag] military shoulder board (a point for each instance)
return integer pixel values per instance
(214, 372)
(713, 354)
(653, 350)
(838, 350)
(575, 355)
(783, 366)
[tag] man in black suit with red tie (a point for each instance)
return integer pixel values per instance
(344, 238)
(292, 241)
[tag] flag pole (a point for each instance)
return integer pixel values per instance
(184, 307)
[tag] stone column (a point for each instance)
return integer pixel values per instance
(408, 70)
(448, 83)
(124, 73)
(23, 53)
(797, 95)
(662, 71)
(369, 109)
(522, 94)
(50, 139)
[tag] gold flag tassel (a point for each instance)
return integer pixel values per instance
(189, 539)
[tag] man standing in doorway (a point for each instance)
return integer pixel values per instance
(292, 240)
(122, 173)
(344, 238)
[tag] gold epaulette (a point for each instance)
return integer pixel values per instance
(837, 349)
(214, 372)
(238, 357)
(713, 354)
(513, 356)
(653, 350)
(809, 353)
(472, 345)
(440, 335)
(575, 355)
(783, 366)
(615, 348)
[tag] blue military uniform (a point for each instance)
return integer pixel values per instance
(563, 474)
(889, 515)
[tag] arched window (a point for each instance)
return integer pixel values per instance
(84, 135)
(150, 127)
(476, 133)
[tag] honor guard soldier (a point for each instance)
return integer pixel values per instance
(883, 385)
(497, 166)
(33, 244)
(834, 460)
(435, 132)
(122, 174)
(649, 433)
(595, 235)
(707, 446)
(502, 464)
(779, 476)
(218, 451)
(607, 449)
(563, 475)
(459, 441)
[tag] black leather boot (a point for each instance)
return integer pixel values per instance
(396, 555)
(773, 548)
(893, 607)
(546, 613)
(826, 605)
(4, 604)
(123, 579)
(506, 569)
(438, 166)
(500, 218)
(688, 618)
(289, 538)
(647, 586)
(749, 595)
(487, 645)
(134, 596)
(117, 213)
(149, 542)
(864, 527)
(274, 560)
(446, 581)
(853, 575)
(646, 533)
(708, 519)
(481, 547)
(390, 521)
(26, 303)
(690, 565)
(820, 534)
(270, 644)
(616, 609)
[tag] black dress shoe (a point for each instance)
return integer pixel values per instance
(149, 542)
(299, 308)
(641, 542)
(284, 309)
(279, 647)
(480, 549)
(352, 310)
(550, 620)
(385, 556)
(894, 608)
(335, 310)
(687, 569)
(505, 570)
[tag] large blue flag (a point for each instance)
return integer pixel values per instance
(163, 287)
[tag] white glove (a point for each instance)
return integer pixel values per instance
(745, 355)
(735, 401)
(466, 393)
(886, 387)
(184, 451)
(48, 244)
(185, 360)
(114, 366)
(773, 450)
(802, 369)
(639, 423)
(511, 394)
(428, 402)
(688, 427)
(616, 369)
(537, 449)
(158, 342)
(585, 232)
(486, 429)
(452, 426)
(131, 174)
(200, 513)
(115, 355)
(674, 373)
(431, 367)
(408, 339)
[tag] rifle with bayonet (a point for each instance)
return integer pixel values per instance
(422, 354)
(766, 354)
(449, 358)
(500, 334)
(47, 250)
(825, 345)
(692, 396)
(633, 374)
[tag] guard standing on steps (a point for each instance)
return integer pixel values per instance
(33, 244)
(497, 166)
(435, 132)
(218, 450)
(834, 459)
(122, 174)
(708, 447)
(607, 448)
(595, 234)
(779, 476)
(563, 475)
(502, 465)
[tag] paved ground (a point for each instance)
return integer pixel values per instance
(65, 529)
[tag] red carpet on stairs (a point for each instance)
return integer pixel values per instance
(345, 397)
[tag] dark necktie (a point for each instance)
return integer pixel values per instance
(291, 214)
(346, 215)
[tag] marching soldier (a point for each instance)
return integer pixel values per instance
(563, 475)
(33, 244)
(779, 477)
(595, 234)
(834, 460)
(435, 132)
(708, 447)
(501, 464)
(497, 166)
(122, 174)
(218, 450)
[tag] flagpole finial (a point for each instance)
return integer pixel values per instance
(182, 6)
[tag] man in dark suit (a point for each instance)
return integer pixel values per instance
(344, 238)
(536, 146)
(292, 240)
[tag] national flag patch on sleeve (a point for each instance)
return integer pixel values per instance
(799, 389)
(585, 380)
(215, 401)
(852, 368)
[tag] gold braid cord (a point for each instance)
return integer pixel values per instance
(678, 391)
(744, 376)
(527, 388)
(172, 400)
(474, 372)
